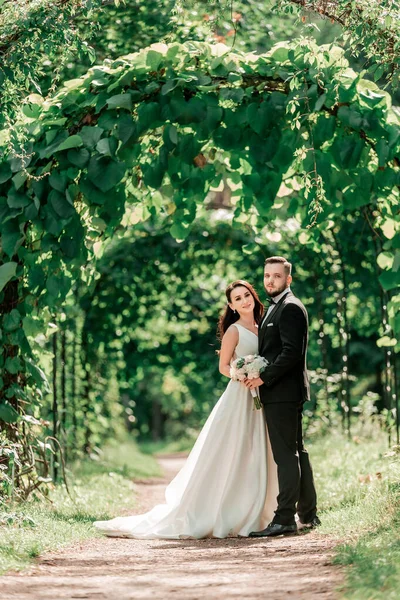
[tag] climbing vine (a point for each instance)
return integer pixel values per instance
(160, 129)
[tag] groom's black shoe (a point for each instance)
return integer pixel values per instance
(274, 529)
(315, 522)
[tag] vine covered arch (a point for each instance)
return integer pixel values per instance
(161, 128)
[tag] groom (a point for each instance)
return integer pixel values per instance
(283, 388)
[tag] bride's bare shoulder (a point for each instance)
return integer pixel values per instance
(232, 332)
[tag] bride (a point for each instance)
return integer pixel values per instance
(228, 485)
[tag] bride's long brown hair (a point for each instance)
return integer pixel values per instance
(229, 317)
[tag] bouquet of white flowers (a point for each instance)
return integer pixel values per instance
(249, 367)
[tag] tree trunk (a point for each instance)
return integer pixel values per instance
(344, 335)
(86, 395)
(396, 395)
(387, 394)
(156, 421)
(55, 408)
(10, 301)
(63, 416)
(74, 428)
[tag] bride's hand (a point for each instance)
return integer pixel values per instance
(253, 383)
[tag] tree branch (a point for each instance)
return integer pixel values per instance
(380, 20)
(34, 17)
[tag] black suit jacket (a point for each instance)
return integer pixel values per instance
(283, 340)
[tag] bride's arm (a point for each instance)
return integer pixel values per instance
(228, 345)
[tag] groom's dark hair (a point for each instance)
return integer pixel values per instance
(283, 261)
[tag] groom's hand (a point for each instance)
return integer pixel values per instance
(253, 383)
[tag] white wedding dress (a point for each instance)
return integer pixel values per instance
(228, 485)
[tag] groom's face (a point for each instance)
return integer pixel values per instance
(275, 279)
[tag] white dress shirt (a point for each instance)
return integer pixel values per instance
(276, 300)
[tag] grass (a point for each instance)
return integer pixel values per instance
(358, 487)
(101, 489)
(168, 447)
(359, 496)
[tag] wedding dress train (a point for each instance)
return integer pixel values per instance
(228, 485)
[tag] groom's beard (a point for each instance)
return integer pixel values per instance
(276, 291)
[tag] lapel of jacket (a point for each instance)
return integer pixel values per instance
(268, 319)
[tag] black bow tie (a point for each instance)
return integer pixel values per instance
(271, 301)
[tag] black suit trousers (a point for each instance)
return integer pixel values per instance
(295, 477)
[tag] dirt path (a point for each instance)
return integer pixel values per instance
(295, 568)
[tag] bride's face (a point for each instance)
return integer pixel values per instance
(242, 300)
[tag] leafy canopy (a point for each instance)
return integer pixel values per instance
(161, 128)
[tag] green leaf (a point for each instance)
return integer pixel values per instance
(382, 150)
(11, 320)
(38, 375)
(32, 111)
(324, 129)
(385, 260)
(169, 85)
(173, 134)
(91, 192)
(389, 280)
(52, 285)
(7, 272)
(153, 174)
(54, 138)
(371, 96)
(253, 181)
(58, 180)
(149, 116)
(13, 365)
(107, 146)
(19, 179)
(280, 52)
(79, 158)
(125, 127)
(250, 248)
(17, 200)
(60, 205)
(70, 246)
(304, 238)
(153, 60)
(350, 117)
(32, 326)
(8, 414)
(36, 278)
(386, 342)
(120, 101)
(260, 117)
(234, 94)
(11, 239)
(91, 135)
(319, 103)
(74, 141)
(356, 196)
(152, 87)
(389, 228)
(396, 262)
(347, 151)
(379, 72)
(72, 84)
(53, 223)
(179, 231)
(105, 173)
(5, 172)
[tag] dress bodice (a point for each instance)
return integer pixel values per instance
(248, 341)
